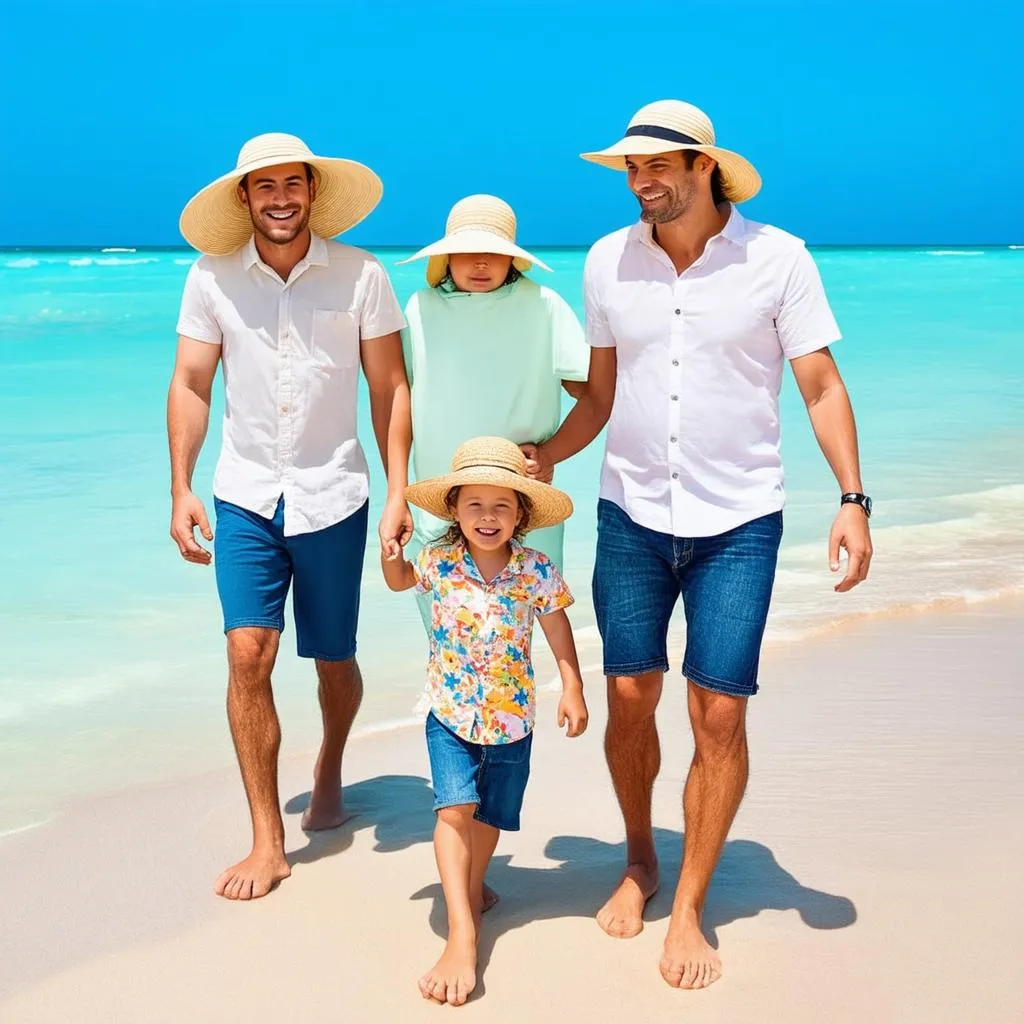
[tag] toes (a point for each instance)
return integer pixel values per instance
(461, 992)
(425, 985)
(220, 887)
(247, 889)
(690, 973)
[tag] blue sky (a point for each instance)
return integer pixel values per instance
(870, 122)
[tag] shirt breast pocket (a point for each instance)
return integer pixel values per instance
(335, 339)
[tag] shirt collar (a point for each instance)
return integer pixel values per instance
(516, 562)
(316, 256)
(735, 231)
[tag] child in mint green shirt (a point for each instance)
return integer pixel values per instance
(487, 351)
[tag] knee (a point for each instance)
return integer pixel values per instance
(458, 817)
(338, 674)
(251, 655)
(719, 723)
(633, 700)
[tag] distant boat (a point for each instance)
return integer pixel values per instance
(117, 250)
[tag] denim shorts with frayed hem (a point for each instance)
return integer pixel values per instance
(491, 775)
(256, 564)
(725, 583)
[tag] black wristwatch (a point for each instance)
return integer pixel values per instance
(854, 498)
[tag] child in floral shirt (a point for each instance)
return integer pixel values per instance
(486, 589)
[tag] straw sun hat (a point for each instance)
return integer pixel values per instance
(669, 125)
(476, 224)
(215, 221)
(497, 463)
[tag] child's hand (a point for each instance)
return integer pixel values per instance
(572, 708)
(391, 549)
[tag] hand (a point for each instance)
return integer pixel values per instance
(572, 708)
(395, 529)
(538, 465)
(187, 513)
(390, 550)
(850, 531)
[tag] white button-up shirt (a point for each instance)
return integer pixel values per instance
(693, 439)
(290, 357)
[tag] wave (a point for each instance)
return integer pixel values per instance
(956, 252)
(22, 263)
(116, 249)
(120, 261)
(184, 263)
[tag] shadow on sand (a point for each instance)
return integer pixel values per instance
(748, 879)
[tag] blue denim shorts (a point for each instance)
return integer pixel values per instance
(491, 775)
(725, 583)
(256, 563)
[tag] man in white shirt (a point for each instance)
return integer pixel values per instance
(290, 316)
(691, 315)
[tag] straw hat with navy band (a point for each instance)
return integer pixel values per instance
(479, 223)
(667, 126)
(217, 222)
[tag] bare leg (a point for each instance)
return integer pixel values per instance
(714, 789)
(453, 977)
(634, 757)
(483, 840)
(341, 693)
(257, 736)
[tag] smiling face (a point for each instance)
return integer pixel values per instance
(668, 184)
(478, 271)
(279, 200)
(488, 516)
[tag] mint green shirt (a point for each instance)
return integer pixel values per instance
(487, 363)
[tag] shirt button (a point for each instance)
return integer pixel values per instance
(673, 439)
(678, 312)
(284, 409)
(675, 398)
(675, 362)
(675, 476)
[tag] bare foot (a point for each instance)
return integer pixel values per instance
(622, 916)
(688, 961)
(325, 810)
(453, 977)
(253, 877)
(489, 900)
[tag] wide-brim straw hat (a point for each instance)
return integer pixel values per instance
(666, 126)
(495, 462)
(478, 223)
(216, 221)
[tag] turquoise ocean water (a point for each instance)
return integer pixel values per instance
(113, 669)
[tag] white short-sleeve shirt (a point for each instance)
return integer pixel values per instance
(290, 358)
(693, 440)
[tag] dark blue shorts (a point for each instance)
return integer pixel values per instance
(256, 563)
(491, 775)
(725, 583)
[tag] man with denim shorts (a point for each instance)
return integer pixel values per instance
(691, 315)
(290, 316)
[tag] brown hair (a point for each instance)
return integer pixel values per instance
(717, 188)
(244, 183)
(454, 533)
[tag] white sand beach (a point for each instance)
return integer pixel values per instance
(873, 872)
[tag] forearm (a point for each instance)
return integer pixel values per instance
(585, 421)
(188, 418)
(398, 573)
(558, 632)
(832, 419)
(392, 426)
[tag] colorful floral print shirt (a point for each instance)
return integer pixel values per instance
(480, 676)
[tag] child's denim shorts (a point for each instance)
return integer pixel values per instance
(491, 775)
